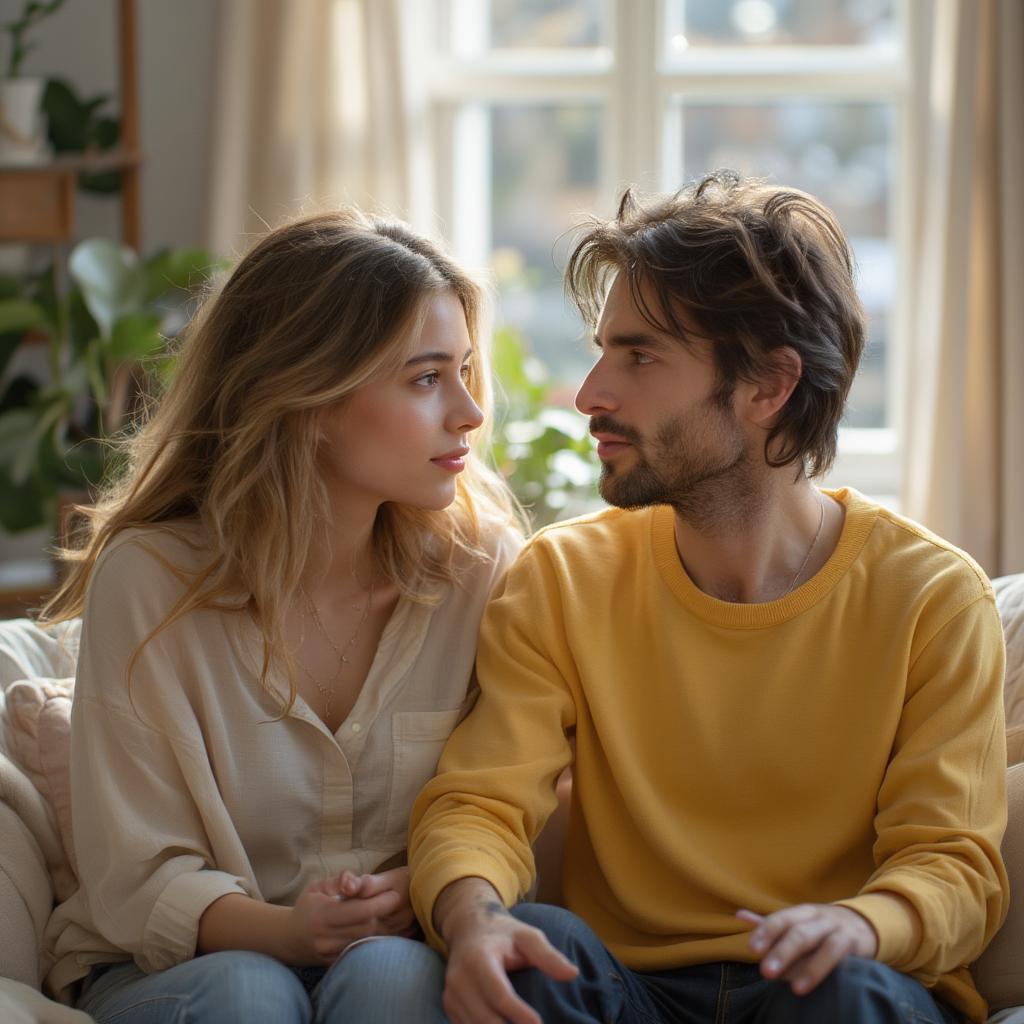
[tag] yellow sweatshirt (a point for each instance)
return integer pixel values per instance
(843, 741)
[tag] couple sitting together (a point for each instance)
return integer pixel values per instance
(325, 691)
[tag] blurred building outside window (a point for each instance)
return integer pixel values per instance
(536, 113)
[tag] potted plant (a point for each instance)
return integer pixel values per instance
(99, 341)
(22, 134)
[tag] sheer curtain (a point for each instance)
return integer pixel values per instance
(964, 436)
(312, 108)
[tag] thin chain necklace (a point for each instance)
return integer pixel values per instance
(814, 544)
(327, 692)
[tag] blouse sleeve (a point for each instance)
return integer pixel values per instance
(144, 799)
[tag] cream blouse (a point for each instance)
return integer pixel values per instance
(187, 788)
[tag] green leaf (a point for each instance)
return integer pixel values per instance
(111, 280)
(20, 315)
(106, 132)
(173, 269)
(23, 506)
(136, 336)
(18, 441)
(66, 116)
(9, 344)
(94, 374)
(10, 287)
(19, 393)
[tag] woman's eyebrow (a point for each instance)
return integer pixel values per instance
(437, 357)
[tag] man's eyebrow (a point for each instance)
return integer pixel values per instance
(631, 340)
(436, 357)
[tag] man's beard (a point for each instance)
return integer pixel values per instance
(697, 463)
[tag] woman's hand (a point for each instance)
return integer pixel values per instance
(325, 919)
(349, 886)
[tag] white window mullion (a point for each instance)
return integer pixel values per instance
(634, 116)
(471, 225)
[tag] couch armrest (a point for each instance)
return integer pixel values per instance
(26, 899)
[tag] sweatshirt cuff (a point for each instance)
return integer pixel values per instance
(429, 882)
(897, 926)
(172, 929)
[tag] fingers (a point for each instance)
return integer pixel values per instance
(481, 993)
(358, 913)
(807, 973)
(769, 929)
(803, 944)
(351, 885)
(396, 878)
(535, 951)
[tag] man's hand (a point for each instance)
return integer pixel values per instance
(485, 942)
(803, 944)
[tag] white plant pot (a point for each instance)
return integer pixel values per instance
(22, 129)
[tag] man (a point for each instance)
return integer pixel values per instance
(782, 705)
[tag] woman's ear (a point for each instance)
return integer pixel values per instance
(775, 383)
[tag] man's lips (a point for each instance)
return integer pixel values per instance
(609, 445)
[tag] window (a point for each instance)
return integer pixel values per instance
(539, 112)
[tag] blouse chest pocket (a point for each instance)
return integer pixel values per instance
(417, 738)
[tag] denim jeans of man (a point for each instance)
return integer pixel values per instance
(379, 982)
(858, 990)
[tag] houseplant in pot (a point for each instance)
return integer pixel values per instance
(103, 340)
(22, 132)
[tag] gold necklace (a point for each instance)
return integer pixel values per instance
(814, 544)
(327, 692)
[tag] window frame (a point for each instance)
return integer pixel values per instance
(637, 96)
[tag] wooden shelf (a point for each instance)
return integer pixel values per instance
(37, 201)
(108, 160)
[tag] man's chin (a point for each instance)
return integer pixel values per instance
(623, 492)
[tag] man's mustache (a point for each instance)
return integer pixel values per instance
(606, 425)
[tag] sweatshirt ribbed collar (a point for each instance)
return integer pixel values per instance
(861, 515)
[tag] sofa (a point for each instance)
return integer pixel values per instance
(37, 859)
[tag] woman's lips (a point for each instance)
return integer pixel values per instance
(452, 462)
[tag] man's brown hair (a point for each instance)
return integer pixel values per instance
(756, 267)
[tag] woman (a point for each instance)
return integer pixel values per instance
(280, 601)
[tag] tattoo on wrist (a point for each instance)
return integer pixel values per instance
(494, 909)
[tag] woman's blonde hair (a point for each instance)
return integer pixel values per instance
(316, 309)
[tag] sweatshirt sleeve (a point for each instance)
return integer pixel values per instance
(495, 785)
(142, 790)
(942, 805)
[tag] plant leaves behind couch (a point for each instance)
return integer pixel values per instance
(99, 339)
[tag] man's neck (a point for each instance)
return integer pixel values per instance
(763, 549)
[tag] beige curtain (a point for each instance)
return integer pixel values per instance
(311, 109)
(964, 436)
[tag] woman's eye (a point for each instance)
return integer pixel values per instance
(466, 372)
(428, 380)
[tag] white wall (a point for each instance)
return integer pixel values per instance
(175, 54)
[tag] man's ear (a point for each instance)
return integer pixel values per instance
(767, 395)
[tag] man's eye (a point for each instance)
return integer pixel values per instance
(641, 358)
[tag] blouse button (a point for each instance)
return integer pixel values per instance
(356, 727)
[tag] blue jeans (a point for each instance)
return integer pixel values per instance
(857, 992)
(387, 980)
